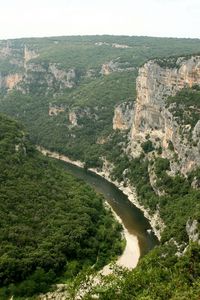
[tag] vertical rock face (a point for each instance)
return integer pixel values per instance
(154, 85)
(152, 118)
(11, 81)
(123, 116)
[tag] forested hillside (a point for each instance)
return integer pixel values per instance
(65, 88)
(51, 224)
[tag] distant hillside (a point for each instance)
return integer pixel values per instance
(65, 88)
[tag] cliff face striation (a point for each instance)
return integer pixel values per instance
(123, 116)
(155, 119)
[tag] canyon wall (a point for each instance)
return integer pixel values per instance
(123, 116)
(154, 119)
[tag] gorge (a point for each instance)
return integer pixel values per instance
(139, 235)
(132, 115)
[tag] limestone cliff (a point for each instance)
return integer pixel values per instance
(154, 85)
(12, 80)
(11, 70)
(154, 119)
(123, 116)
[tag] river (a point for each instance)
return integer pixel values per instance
(131, 217)
(140, 237)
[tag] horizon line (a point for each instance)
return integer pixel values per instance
(97, 35)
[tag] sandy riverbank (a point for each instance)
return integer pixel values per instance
(130, 257)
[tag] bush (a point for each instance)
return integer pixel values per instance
(147, 146)
(161, 164)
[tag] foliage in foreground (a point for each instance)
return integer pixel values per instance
(161, 275)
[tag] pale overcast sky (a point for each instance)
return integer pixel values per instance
(28, 18)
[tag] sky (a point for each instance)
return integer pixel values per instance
(39, 18)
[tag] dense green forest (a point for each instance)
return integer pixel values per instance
(51, 224)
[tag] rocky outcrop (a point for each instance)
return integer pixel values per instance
(154, 85)
(195, 183)
(11, 70)
(65, 78)
(73, 118)
(55, 110)
(193, 231)
(12, 80)
(196, 131)
(113, 45)
(106, 69)
(115, 66)
(120, 46)
(123, 116)
(60, 293)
